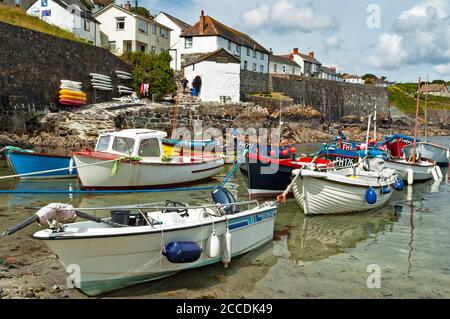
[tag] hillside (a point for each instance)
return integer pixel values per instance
(18, 17)
(403, 96)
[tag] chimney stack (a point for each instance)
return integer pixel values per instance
(202, 23)
(311, 54)
(127, 6)
(295, 50)
(271, 52)
(333, 69)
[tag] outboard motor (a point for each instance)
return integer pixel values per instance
(221, 195)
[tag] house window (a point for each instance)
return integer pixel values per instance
(284, 68)
(120, 23)
(143, 26)
(153, 49)
(238, 48)
(87, 25)
(163, 33)
(128, 47)
(112, 45)
(142, 48)
(261, 68)
(229, 45)
(254, 67)
(275, 68)
(188, 42)
(293, 70)
(254, 54)
(248, 51)
(245, 65)
(261, 55)
(154, 28)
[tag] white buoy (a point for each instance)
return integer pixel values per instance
(213, 245)
(409, 191)
(439, 172)
(226, 257)
(71, 166)
(410, 176)
(448, 153)
(434, 173)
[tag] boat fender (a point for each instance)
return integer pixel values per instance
(71, 166)
(434, 173)
(213, 245)
(448, 154)
(398, 184)
(226, 256)
(438, 171)
(410, 176)
(182, 252)
(385, 190)
(371, 196)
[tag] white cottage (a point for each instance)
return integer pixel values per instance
(209, 35)
(309, 64)
(131, 32)
(282, 64)
(176, 42)
(70, 15)
(330, 74)
(220, 75)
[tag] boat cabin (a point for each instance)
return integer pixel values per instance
(132, 143)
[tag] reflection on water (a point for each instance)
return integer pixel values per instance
(308, 238)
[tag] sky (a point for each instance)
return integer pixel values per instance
(399, 39)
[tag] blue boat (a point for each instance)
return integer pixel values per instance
(26, 162)
(347, 157)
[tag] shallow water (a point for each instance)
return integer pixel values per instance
(310, 257)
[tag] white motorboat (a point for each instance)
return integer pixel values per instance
(418, 171)
(434, 152)
(345, 190)
(156, 242)
(134, 159)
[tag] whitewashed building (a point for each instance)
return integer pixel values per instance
(70, 15)
(220, 74)
(176, 42)
(130, 32)
(356, 79)
(330, 74)
(309, 64)
(209, 35)
(282, 64)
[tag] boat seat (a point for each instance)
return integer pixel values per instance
(221, 195)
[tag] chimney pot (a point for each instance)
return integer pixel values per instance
(311, 54)
(202, 23)
(295, 50)
(127, 6)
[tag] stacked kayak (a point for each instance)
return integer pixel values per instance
(124, 76)
(101, 82)
(71, 93)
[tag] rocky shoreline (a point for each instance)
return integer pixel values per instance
(79, 128)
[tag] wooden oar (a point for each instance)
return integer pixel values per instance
(282, 197)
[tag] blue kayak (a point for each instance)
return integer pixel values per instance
(25, 162)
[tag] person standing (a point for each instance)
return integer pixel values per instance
(196, 85)
(184, 83)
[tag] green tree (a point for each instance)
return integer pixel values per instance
(141, 11)
(438, 82)
(152, 69)
(369, 76)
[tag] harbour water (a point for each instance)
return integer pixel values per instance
(408, 241)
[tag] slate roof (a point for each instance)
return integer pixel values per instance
(211, 54)
(282, 59)
(183, 25)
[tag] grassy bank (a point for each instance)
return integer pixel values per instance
(403, 96)
(18, 17)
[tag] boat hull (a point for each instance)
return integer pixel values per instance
(139, 174)
(25, 163)
(319, 196)
(421, 172)
(109, 263)
(430, 151)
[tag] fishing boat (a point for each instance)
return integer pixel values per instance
(425, 150)
(173, 147)
(141, 243)
(27, 164)
(267, 176)
(396, 143)
(134, 158)
(345, 190)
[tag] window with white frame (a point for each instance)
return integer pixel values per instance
(254, 67)
(153, 48)
(261, 68)
(164, 33)
(254, 54)
(188, 42)
(284, 68)
(238, 48)
(112, 45)
(248, 51)
(261, 55)
(229, 45)
(245, 65)
(120, 23)
(87, 25)
(143, 26)
(154, 28)
(275, 68)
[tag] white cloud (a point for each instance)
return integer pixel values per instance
(420, 35)
(332, 41)
(286, 16)
(443, 69)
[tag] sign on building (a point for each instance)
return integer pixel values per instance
(46, 13)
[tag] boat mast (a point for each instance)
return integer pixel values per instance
(417, 123)
(426, 115)
(368, 133)
(375, 125)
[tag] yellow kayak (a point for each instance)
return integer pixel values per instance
(72, 97)
(72, 93)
